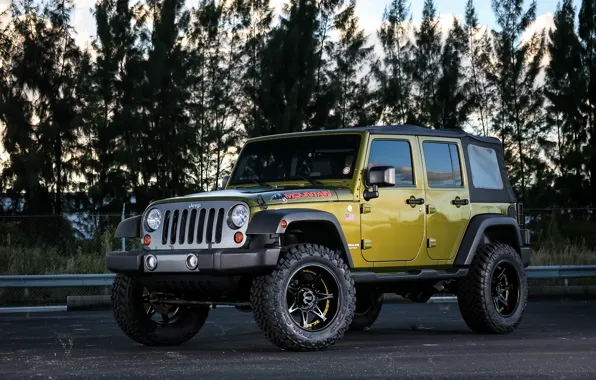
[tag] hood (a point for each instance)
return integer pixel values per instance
(271, 196)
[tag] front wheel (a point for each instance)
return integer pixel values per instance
(493, 296)
(149, 323)
(307, 302)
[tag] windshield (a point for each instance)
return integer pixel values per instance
(298, 158)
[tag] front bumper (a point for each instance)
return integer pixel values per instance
(214, 261)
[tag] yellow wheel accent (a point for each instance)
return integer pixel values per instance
(327, 302)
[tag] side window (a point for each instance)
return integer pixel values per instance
(443, 167)
(395, 153)
(485, 168)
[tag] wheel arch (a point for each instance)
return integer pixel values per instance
(488, 228)
(321, 227)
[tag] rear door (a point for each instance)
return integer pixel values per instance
(447, 196)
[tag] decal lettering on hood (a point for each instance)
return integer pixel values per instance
(284, 197)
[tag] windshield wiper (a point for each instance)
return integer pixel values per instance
(312, 181)
(259, 182)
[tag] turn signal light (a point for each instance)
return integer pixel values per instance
(238, 237)
(147, 240)
(283, 224)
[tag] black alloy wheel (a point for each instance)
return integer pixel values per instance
(312, 297)
(166, 314)
(505, 288)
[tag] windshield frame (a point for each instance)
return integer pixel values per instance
(346, 179)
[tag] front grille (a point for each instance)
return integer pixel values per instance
(183, 227)
(179, 228)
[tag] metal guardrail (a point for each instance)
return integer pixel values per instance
(60, 280)
(79, 280)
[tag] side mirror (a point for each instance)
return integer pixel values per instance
(376, 177)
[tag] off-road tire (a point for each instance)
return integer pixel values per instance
(368, 307)
(130, 315)
(268, 299)
(474, 291)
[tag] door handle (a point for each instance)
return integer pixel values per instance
(415, 201)
(460, 202)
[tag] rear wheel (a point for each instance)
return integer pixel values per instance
(307, 302)
(369, 303)
(151, 323)
(493, 296)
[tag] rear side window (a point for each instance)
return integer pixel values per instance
(485, 168)
(395, 153)
(443, 167)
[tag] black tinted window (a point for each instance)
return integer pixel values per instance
(393, 153)
(443, 167)
(290, 159)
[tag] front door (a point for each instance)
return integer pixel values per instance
(393, 224)
(447, 197)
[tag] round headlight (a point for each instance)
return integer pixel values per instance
(239, 216)
(153, 219)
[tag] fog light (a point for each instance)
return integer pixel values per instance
(238, 237)
(192, 261)
(151, 262)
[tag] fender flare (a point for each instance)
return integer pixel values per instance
(269, 222)
(475, 234)
(129, 227)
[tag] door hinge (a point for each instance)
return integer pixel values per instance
(366, 244)
(365, 209)
(432, 243)
(430, 209)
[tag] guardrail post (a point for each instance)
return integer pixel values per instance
(123, 239)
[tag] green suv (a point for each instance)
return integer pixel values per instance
(311, 229)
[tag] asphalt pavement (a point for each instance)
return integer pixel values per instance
(557, 340)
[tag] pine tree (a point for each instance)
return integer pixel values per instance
(50, 72)
(324, 95)
(565, 91)
(518, 121)
(217, 93)
(165, 137)
(290, 68)
(109, 123)
(350, 77)
(257, 16)
(427, 65)
(451, 108)
(587, 34)
(477, 54)
(22, 174)
(393, 72)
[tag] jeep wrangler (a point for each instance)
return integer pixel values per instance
(312, 229)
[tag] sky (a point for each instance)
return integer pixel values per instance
(370, 12)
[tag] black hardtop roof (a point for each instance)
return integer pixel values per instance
(403, 129)
(408, 129)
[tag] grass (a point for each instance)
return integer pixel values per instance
(88, 257)
(29, 261)
(563, 254)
